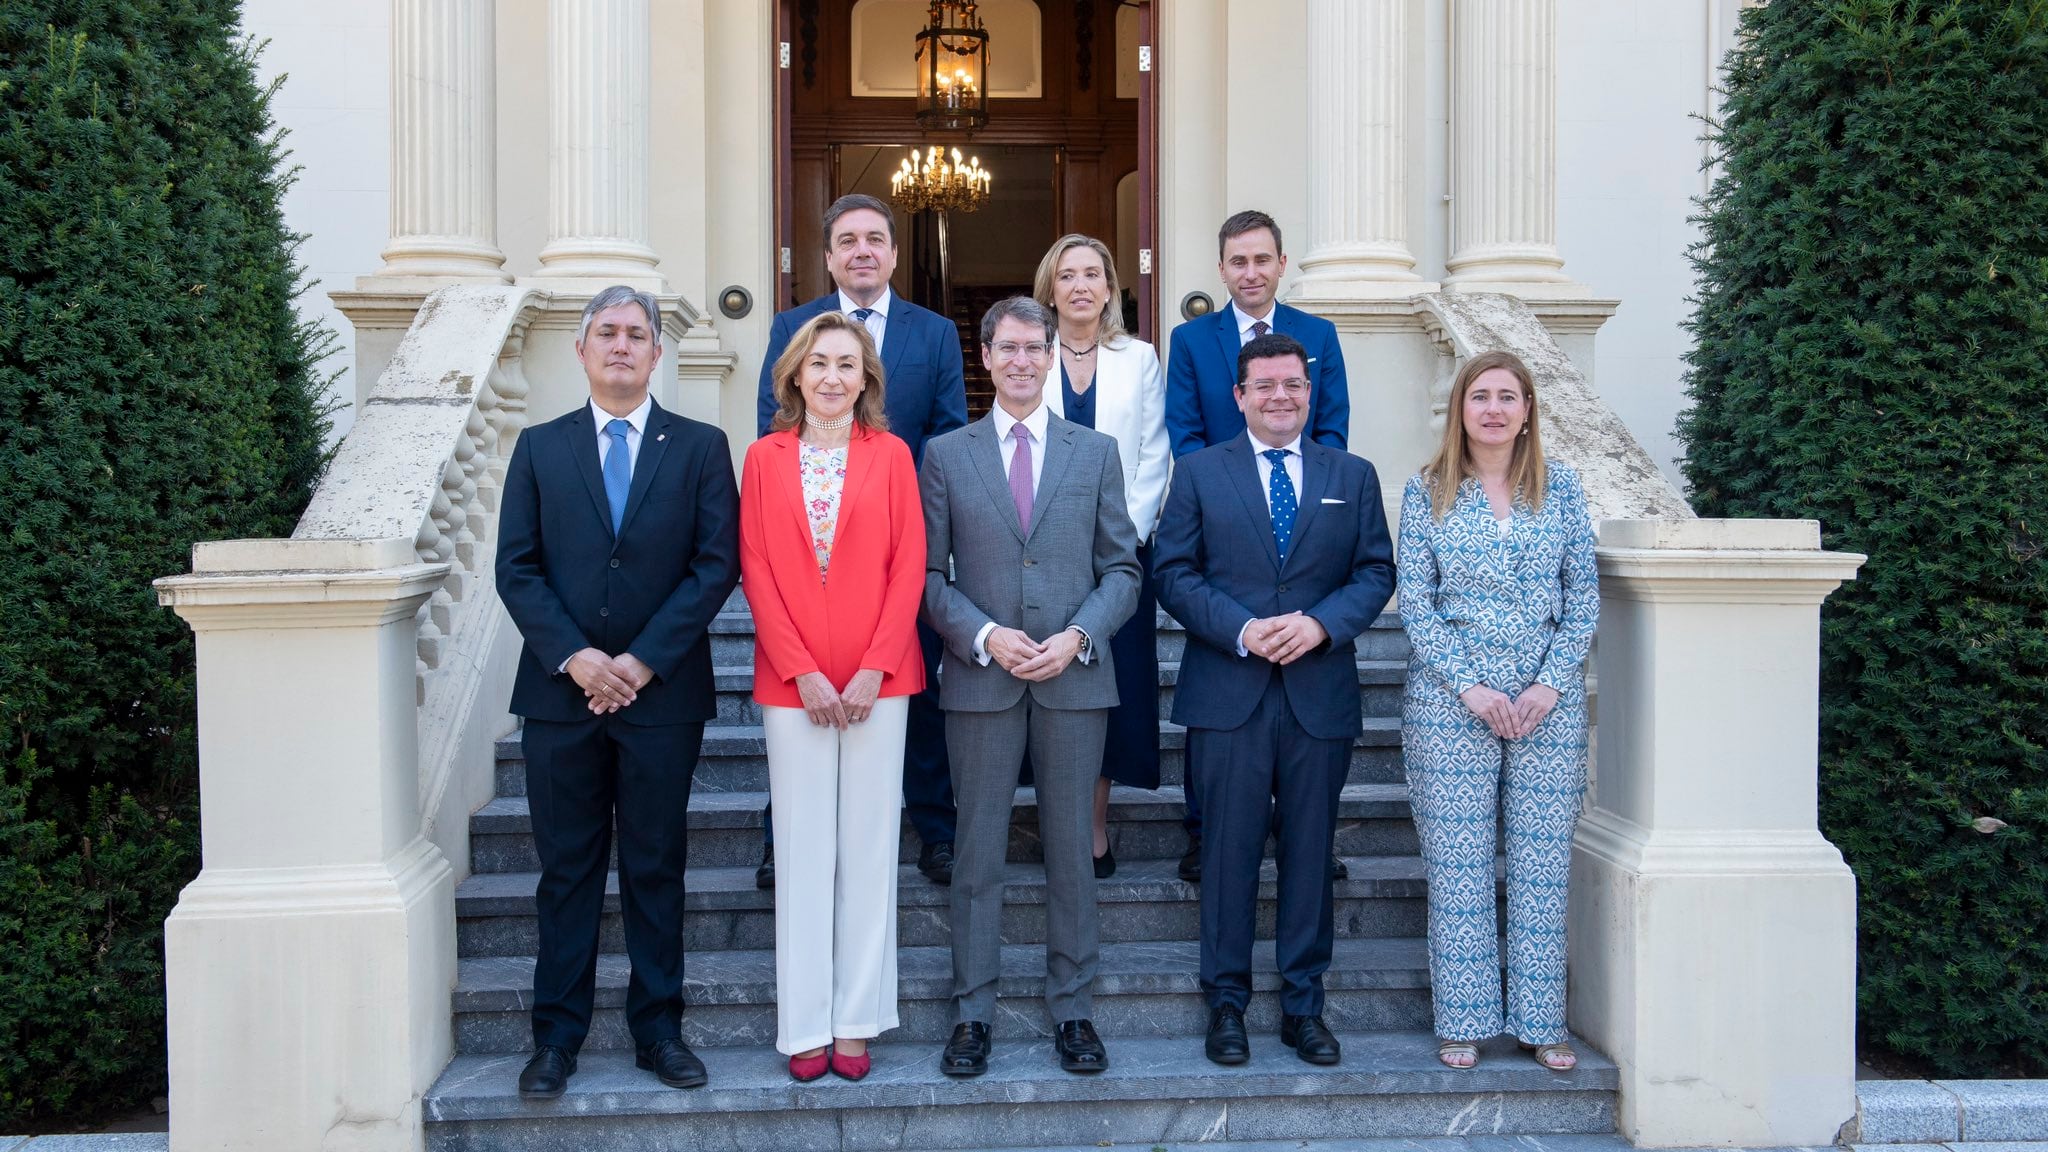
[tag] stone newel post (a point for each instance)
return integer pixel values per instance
(309, 965)
(1713, 928)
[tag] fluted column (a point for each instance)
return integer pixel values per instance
(444, 130)
(1504, 148)
(1358, 171)
(599, 142)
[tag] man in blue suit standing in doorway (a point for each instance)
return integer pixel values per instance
(1273, 550)
(924, 394)
(1201, 397)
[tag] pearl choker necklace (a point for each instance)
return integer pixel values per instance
(828, 425)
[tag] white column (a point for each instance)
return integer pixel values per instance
(1713, 928)
(600, 65)
(308, 966)
(1358, 168)
(444, 131)
(1504, 149)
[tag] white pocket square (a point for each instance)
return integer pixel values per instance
(1331, 500)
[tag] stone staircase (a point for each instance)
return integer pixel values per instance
(1148, 1003)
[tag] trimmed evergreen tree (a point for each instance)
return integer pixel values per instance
(156, 388)
(1872, 352)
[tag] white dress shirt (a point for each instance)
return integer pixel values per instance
(1244, 322)
(1265, 466)
(1034, 425)
(637, 418)
(878, 320)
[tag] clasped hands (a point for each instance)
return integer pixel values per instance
(1511, 718)
(1284, 639)
(1035, 660)
(828, 707)
(609, 682)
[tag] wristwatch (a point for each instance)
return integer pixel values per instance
(1087, 645)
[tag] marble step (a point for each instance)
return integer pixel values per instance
(1141, 989)
(735, 758)
(1156, 1090)
(732, 638)
(1380, 683)
(725, 828)
(1145, 900)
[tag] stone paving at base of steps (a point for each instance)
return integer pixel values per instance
(160, 1142)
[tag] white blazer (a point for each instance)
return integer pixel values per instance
(1130, 404)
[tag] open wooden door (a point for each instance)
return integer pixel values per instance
(785, 180)
(1148, 171)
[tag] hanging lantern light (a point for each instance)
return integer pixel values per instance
(952, 67)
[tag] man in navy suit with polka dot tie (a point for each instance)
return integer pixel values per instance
(1273, 551)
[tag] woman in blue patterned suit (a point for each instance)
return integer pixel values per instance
(1500, 596)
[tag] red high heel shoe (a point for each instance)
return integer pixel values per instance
(804, 1069)
(850, 1067)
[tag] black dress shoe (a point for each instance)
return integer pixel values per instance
(1227, 1043)
(1191, 862)
(764, 876)
(936, 862)
(547, 1074)
(1105, 864)
(672, 1063)
(1338, 869)
(1079, 1047)
(1311, 1039)
(966, 1053)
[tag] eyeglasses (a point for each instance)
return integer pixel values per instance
(1293, 386)
(1008, 350)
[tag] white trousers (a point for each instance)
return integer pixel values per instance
(838, 800)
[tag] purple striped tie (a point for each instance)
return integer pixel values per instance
(1020, 475)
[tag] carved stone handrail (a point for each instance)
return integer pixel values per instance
(425, 460)
(1620, 479)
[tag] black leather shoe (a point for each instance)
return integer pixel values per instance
(1227, 1043)
(1191, 863)
(764, 876)
(672, 1063)
(936, 862)
(1338, 869)
(966, 1053)
(1079, 1047)
(1311, 1039)
(1105, 864)
(547, 1074)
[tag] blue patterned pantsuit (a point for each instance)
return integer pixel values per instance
(1458, 772)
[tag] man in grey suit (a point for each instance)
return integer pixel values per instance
(1032, 566)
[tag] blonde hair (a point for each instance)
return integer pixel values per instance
(1109, 326)
(789, 397)
(1448, 470)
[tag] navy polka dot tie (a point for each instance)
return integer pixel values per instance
(1280, 494)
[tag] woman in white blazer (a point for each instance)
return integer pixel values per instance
(1110, 381)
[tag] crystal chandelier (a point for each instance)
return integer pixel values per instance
(933, 181)
(952, 67)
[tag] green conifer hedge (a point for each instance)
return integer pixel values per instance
(1872, 352)
(156, 388)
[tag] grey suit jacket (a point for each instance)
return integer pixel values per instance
(1077, 566)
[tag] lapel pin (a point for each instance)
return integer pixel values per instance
(659, 437)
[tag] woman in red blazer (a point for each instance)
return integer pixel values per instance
(832, 558)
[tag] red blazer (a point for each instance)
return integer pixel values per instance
(876, 578)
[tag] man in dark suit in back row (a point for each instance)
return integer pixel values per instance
(925, 394)
(1201, 397)
(1273, 551)
(618, 544)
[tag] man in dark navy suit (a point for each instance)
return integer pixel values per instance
(1273, 551)
(619, 542)
(1201, 396)
(924, 393)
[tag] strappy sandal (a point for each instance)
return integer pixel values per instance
(1457, 1054)
(1556, 1057)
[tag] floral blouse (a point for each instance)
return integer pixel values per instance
(823, 473)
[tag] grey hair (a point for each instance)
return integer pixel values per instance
(1022, 308)
(614, 296)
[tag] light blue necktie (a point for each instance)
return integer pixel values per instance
(1280, 493)
(618, 472)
